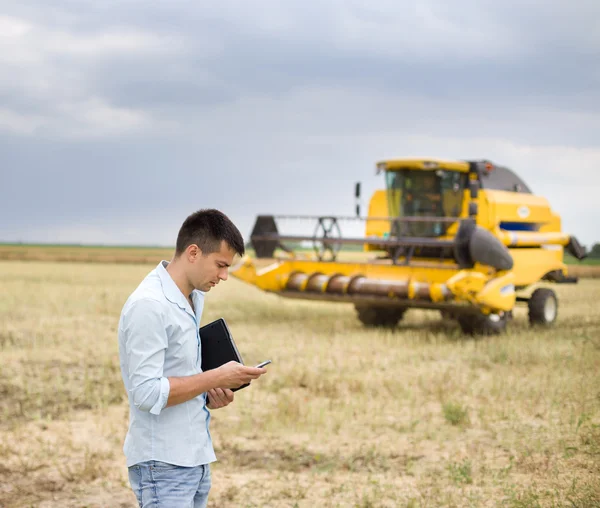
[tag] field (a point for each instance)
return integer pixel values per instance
(588, 268)
(84, 254)
(415, 417)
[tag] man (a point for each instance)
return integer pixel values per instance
(168, 445)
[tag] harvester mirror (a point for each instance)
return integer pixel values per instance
(357, 196)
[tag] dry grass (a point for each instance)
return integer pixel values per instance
(75, 254)
(585, 271)
(347, 416)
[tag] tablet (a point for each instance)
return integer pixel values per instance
(218, 347)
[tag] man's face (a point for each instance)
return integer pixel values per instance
(207, 271)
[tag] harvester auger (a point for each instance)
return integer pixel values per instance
(467, 238)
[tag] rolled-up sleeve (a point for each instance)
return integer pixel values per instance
(145, 345)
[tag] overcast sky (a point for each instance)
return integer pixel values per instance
(119, 118)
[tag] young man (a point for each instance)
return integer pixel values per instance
(168, 445)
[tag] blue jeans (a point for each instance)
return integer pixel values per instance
(161, 485)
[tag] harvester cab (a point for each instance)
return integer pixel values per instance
(467, 238)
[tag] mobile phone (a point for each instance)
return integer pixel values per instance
(261, 365)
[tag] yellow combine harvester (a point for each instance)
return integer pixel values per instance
(465, 237)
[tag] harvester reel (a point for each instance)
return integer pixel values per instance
(326, 232)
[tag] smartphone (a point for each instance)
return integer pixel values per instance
(261, 365)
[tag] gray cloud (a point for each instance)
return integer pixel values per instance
(118, 116)
(511, 51)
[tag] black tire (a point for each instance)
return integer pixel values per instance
(379, 315)
(543, 307)
(483, 324)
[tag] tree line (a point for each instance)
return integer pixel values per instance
(594, 252)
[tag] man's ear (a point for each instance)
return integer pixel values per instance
(193, 252)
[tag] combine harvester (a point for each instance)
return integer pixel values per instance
(467, 238)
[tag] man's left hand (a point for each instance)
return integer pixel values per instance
(219, 397)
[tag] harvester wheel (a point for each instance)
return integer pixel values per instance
(543, 307)
(384, 316)
(483, 324)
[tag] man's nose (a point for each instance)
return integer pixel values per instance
(224, 274)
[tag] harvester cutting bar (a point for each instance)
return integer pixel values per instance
(379, 301)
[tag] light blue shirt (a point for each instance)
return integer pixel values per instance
(159, 338)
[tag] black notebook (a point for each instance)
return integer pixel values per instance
(218, 347)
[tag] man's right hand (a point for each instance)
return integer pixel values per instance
(234, 374)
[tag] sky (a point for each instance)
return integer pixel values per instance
(120, 118)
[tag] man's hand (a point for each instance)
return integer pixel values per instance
(219, 398)
(230, 375)
(234, 374)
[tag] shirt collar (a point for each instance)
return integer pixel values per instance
(170, 289)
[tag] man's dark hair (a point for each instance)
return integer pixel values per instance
(207, 229)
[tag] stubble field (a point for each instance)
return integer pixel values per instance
(346, 416)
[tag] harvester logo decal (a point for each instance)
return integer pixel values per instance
(523, 212)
